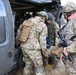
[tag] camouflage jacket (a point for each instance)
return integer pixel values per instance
(68, 32)
(53, 28)
(37, 36)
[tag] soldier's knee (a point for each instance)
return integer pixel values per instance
(38, 63)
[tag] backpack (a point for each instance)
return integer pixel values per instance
(25, 30)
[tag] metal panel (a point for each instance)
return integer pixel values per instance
(7, 46)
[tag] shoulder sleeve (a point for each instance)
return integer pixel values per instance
(74, 27)
(72, 47)
(42, 37)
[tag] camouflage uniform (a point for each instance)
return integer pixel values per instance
(71, 45)
(53, 28)
(69, 6)
(70, 29)
(32, 48)
(57, 37)
(68, 32)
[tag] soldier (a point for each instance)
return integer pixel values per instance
(53, 28)
(69, 32)
(35, 43)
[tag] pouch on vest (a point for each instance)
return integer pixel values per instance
(25, 31)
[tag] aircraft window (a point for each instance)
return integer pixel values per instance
(2, 9)
(2, 22)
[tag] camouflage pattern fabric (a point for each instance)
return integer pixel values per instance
(69, 7)
(70, 67)
(57, 36)
(32, 48)
(32, 58)
(68, 32)
(37, 36)
(52, 32)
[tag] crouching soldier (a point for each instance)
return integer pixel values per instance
(35, 44)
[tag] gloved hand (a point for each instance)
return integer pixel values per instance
(57, 51)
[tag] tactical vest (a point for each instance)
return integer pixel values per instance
(34, 38)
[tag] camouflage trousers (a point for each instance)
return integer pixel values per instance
(31, 58)
(70, 67)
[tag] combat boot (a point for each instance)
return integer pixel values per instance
(57, 51)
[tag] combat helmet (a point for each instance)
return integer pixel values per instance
(69, 6)
(43, 13)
